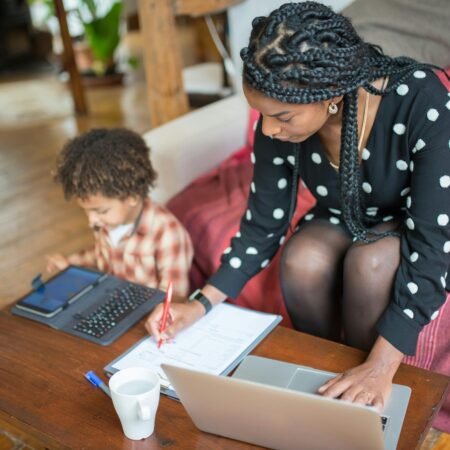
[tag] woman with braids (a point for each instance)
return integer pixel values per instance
(369, 135)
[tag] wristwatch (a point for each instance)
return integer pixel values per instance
(200, 297)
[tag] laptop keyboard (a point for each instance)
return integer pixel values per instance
(120, 303)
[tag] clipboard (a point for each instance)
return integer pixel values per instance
(215, 344)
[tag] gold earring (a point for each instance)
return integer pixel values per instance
(332, 108)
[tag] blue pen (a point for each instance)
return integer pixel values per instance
(97, 382)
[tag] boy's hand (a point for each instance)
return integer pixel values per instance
(181, 315)
(56, 262)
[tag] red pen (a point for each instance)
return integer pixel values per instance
(165, 311)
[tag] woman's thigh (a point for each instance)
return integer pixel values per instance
(316, 249)
(369, 273)
(311, 276)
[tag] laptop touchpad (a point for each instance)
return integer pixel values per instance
(307, 380)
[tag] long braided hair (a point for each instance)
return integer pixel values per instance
(306, 53)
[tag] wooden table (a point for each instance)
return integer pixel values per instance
(44, 394)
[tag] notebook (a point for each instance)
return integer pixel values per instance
(88, 304)
(215, 344)
(274, 404)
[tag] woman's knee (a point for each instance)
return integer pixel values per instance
(371, 260)
(303, 261)
(369, 270)
(361, 261)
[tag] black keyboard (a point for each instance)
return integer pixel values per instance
(120, 303)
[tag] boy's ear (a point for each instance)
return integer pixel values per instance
(132, 201)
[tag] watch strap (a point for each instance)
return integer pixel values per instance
(200, 297)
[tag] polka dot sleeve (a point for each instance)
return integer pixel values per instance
(265, 220)
(419, 289)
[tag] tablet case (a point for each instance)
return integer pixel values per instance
(88, 302)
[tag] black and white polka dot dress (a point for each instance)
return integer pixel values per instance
(405, 175)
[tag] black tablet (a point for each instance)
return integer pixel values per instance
(59, 291)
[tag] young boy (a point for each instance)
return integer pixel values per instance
(109, 173)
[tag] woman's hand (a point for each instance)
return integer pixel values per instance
(181, 315)
(369, 383)
(56, 262)
(366, 384)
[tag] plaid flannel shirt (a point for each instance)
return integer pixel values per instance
(159, 249)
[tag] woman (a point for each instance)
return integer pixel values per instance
(369, 136)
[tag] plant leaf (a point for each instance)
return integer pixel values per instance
(103, 34)
(91, 5)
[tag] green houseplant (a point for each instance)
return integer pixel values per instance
(100, 22)
(101, 32)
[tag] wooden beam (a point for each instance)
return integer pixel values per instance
(70, 65)
(162, 59)
(201, 7)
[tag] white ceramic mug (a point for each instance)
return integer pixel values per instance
(135, 394)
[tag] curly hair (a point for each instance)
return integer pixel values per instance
(112, 162)
(304, 53)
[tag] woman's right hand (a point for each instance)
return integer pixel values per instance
(181, 315)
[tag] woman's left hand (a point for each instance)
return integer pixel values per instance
(369, 383)
(366, 384)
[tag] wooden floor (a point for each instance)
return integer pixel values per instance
(34, 218)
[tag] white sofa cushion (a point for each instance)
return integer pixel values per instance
(191, 145)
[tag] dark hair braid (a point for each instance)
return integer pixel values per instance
(305, 53)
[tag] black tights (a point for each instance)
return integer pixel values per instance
(334, 287)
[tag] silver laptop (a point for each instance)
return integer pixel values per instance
(273, 404)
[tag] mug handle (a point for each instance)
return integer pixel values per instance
(144, 412)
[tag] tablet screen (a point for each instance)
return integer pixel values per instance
(59, 290)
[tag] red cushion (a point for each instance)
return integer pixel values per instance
(443, 78)
(433, 353)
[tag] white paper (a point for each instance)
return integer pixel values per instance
(210, 345)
